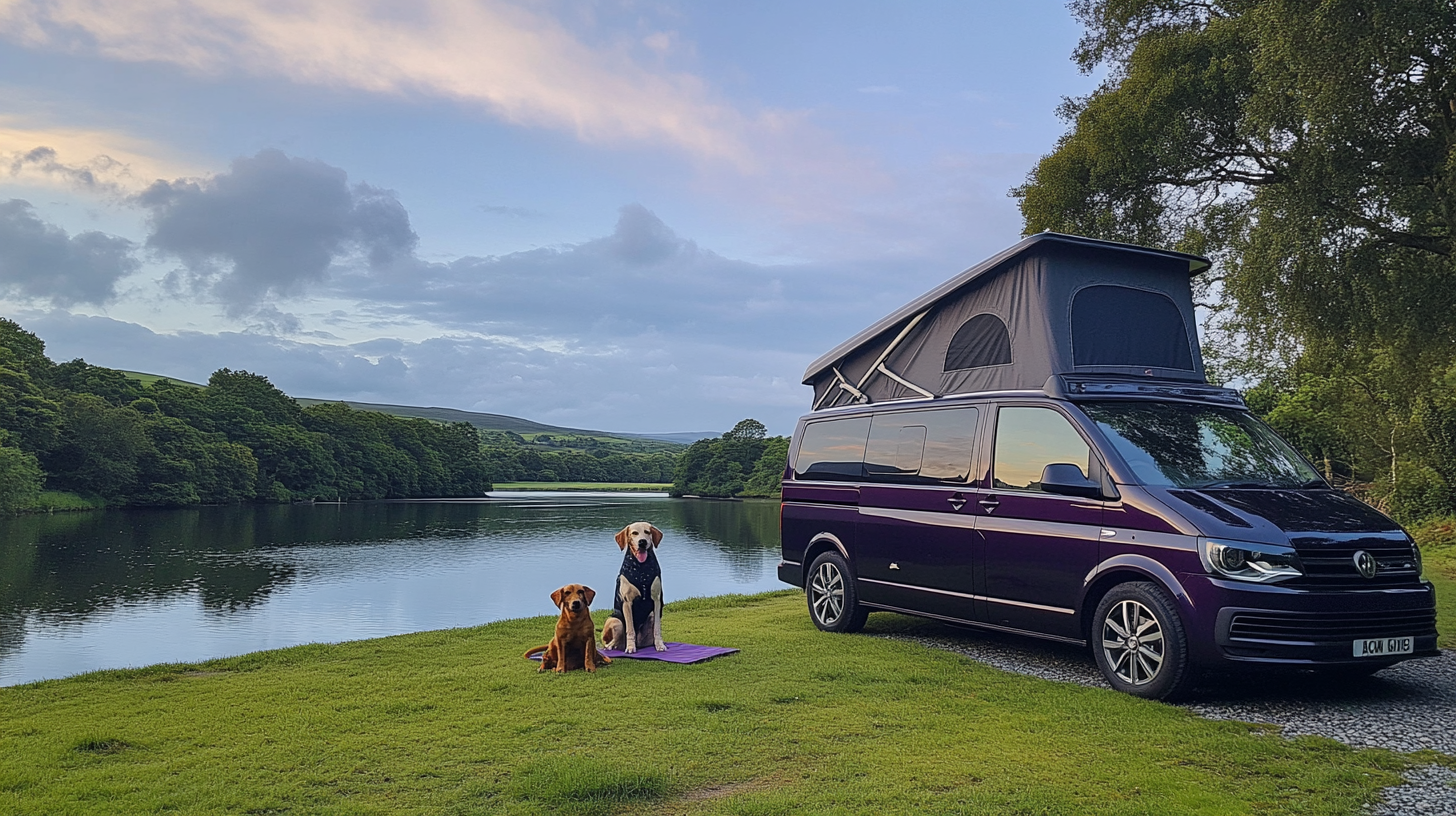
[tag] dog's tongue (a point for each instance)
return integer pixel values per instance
(641, 555)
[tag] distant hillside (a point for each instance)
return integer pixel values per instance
(148, 379)
(483, 421)
(502, 422)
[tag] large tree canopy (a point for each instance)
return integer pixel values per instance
(1309, 147)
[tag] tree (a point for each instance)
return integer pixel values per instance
(768, 474)
(1309, 148)
(20, 479)
(100, 448)
(747, 429)
(742, 462)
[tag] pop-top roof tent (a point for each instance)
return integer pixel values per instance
(1052, 304)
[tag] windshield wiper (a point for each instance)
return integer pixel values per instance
(1238, 484)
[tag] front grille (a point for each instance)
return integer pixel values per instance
(1330, 565)
(1315, 627)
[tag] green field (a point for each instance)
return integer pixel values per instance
(148, 379)
(455, 722)
(604, 486)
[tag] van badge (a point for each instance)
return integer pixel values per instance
(1365, 563)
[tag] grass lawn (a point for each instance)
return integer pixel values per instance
(605, 486)
(1440, 564)
(455, 722)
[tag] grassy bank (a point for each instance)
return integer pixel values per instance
(58, 501)
(455, 722)
(616, 487)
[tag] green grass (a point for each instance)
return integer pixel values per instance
(608, 486)
(1438, 548)
(57, 501)
(147, 379)
(455, 722)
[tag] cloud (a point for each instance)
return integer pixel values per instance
(514, 61)
(511, 212)
(602, 82)
(95, 161)
(271, 226)
(39, 260)
(642, 279)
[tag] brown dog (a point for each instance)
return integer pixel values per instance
(575, 644)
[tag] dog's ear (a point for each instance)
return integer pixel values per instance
(622, 537)
(655, 533)
(588, 594)
(556, 596)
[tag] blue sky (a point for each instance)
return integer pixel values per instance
(627, 216)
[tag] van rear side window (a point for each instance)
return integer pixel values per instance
(922, 447)
(833, 449)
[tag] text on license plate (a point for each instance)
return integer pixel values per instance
(1384, 646)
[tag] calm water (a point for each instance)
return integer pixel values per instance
(84, 591)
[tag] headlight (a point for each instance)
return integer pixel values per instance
(1245, 561)
(1420, 565)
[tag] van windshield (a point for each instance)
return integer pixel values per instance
(1183, 445)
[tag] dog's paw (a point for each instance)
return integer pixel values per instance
(631, 648)
(660, 646)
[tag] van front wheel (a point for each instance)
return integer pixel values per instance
(1139, 645)
(833, 599)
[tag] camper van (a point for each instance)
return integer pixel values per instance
(1033, 448)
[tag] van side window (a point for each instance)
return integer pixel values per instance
(1027, 440)
(833, 449)
(921, 447)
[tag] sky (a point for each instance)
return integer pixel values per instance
(619, 215)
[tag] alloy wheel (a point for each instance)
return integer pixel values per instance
(1132, 641)
(826, 592)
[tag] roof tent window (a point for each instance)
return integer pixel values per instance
(979, 342)
(1122, 326)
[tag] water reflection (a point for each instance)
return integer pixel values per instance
(121, 588)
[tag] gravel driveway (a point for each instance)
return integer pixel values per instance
(1418, 695)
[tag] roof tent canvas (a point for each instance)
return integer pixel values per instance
(1051, 304)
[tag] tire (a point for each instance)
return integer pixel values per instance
(833, 599)
(1139, 643)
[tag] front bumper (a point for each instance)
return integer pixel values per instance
(1234, 623)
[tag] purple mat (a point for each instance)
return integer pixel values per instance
(676, 653)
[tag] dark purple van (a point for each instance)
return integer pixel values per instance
(1121, 502)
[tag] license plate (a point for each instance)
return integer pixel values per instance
(1384, 646)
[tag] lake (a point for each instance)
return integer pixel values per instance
(123, 588)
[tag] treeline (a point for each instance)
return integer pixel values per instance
(742, 462)
(511, 458)
(95, 432)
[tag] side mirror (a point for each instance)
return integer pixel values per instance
(1067, 480)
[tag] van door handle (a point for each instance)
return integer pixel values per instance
(957, 501)
(990, 503)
